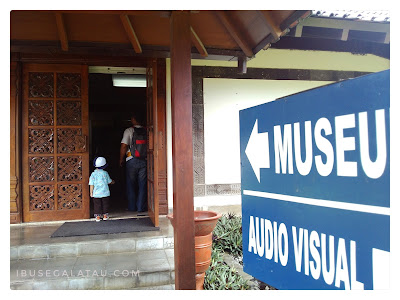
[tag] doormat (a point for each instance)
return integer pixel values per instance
(104, 227)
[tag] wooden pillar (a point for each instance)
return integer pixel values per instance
(15, 119)
(182, 150)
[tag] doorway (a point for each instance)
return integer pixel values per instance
(110, 108)
(61, 136)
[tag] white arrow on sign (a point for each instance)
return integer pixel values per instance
(257, 150)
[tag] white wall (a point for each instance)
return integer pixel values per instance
(169, 134)
(223, 99)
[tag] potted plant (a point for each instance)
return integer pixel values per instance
(204, 224)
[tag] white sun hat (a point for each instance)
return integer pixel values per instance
(100, 162)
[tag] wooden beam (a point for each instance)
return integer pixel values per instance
(198, 43)
(131, 33)
(182, 150)
(266, 17)
(235, 32)
(62, 33)
(140, 13)
(294, 18)
(112, 50)
(265, 43)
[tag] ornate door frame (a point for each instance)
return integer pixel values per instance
(55, 152)
(152, 153)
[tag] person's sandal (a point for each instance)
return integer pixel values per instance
(105, 217)
(98, 219)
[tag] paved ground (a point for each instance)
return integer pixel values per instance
(137, 260)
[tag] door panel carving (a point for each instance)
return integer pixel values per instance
(40, 113)
(41, 197)
(41, 168)
(41, 141)
(70, 140)
(69, 113)
(68, 85)
(41, 85)
(69, 168)
(69, 196)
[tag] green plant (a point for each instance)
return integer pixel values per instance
(220, 276)
(227, 237)
(227, 234)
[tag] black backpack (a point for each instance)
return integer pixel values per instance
(139, 143)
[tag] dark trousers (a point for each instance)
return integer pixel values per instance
(136, 184)
(101, 206)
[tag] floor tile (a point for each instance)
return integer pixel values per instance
(154, 279)
(121, 258)
(151, 254)
(153, 265)
(92, 259)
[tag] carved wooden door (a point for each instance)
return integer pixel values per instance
(54, 147)
(152, 153)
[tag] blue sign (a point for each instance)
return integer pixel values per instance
(315, 187)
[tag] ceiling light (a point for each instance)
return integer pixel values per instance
(123, 80)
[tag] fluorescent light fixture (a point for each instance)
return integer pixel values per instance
(123, 80)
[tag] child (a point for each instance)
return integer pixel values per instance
(99, 191)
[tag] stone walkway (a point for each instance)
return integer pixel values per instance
(137, 260)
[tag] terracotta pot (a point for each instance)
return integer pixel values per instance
(204, 224)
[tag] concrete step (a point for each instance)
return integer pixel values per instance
(89, 247)
(136, 260)
(144, 269)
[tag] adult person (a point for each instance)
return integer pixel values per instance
(136, 169)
